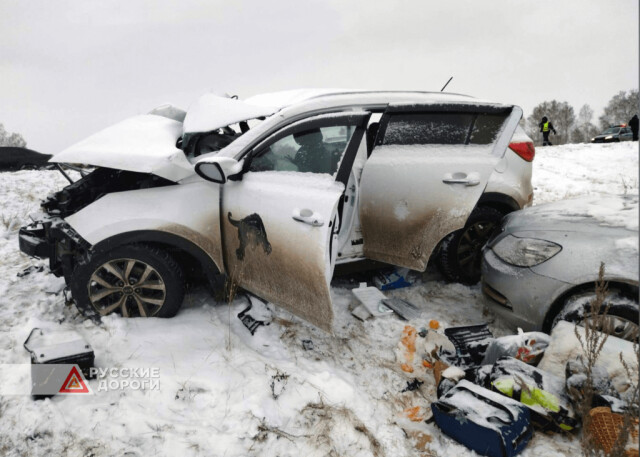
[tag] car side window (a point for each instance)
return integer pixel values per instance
(442, 128)
(311, 150)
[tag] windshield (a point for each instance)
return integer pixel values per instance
(612, 130)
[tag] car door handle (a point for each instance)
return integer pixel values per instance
(307, 216)
(472, 179)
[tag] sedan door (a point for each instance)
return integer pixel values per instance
(280, 221)
(427, 171)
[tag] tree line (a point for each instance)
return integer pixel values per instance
(580, 128)
(11, 139)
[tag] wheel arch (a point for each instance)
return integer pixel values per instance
(502, 202)
(627, 288)
(186, 253)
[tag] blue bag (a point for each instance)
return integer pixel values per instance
(482, 420)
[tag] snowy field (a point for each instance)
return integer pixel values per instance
(223, 392)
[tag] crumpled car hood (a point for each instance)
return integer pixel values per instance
(144, 144)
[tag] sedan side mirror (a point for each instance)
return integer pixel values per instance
(218, 169)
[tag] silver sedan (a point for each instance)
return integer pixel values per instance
(543, 263)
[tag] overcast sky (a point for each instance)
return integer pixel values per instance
(69, 68)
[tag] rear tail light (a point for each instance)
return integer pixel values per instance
(525, 150)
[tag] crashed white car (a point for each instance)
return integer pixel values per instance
(275, 190)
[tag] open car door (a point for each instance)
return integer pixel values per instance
(429, 167)
(280, 221)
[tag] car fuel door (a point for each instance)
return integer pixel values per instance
(428, 168)
(279, 222)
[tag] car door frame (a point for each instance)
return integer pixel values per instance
(413, 251)
(256, 284)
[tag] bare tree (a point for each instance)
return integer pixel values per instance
(11, 139)
(561, 116)
(620, 108)
(584, 129)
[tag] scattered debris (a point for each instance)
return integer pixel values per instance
(528, 347)
(434, 324)
(484, 421)
(413, 385)
(408, 343)
(402, 308)
(390, 280)
(605, 427)
(372, 298)
(543, 393)
(32, 269)
(278, 383)
(471, 343)
(307, 345)
(248, 320)
(415, 413)
(361, 313)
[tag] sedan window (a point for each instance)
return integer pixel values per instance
(313, 150)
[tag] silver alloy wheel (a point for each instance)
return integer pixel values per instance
(130, 285)
(619, 327)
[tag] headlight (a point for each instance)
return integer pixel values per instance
(608, 137)
(525, 252)
(593, 139)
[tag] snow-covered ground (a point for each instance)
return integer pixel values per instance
(224, 392)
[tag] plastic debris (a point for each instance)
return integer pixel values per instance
(372, 298)
(307, 345)
(408, 343)
(402, 308)
(392, 280)
(361, 313)
(434, 324)
(248, 320)
(543, 393)
(528, 347)
(470, 344)
(415, 413)
(412, 385)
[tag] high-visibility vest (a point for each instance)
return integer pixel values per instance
(545, 127)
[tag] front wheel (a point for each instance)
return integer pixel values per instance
(460, 253)
(621, 319)
(135, 280)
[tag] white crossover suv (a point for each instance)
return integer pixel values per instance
(275, 190)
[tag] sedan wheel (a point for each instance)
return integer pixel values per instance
(621, 319)
(134, 280)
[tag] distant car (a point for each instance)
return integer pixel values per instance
(614, 134)
(318, 178)
(542, 265)
(12, 159)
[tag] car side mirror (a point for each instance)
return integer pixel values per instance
(218, 169)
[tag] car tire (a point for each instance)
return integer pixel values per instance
(621, 319)
(460, 253)
(136, 280)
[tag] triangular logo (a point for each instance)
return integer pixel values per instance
(75, 383)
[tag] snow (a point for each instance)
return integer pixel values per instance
(216, 396)
(211, 112)
(144, 143)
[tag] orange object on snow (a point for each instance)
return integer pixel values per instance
(413, 413)
(426, 364)
(434, 324)
(406, 368)
(409, 338)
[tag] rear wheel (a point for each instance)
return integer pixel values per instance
(460, 253)
(621, 319)
(135, 280)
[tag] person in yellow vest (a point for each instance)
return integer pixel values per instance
(546, 127)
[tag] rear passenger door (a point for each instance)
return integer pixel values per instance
(429, 167)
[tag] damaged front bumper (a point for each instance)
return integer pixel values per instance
(52, 238)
